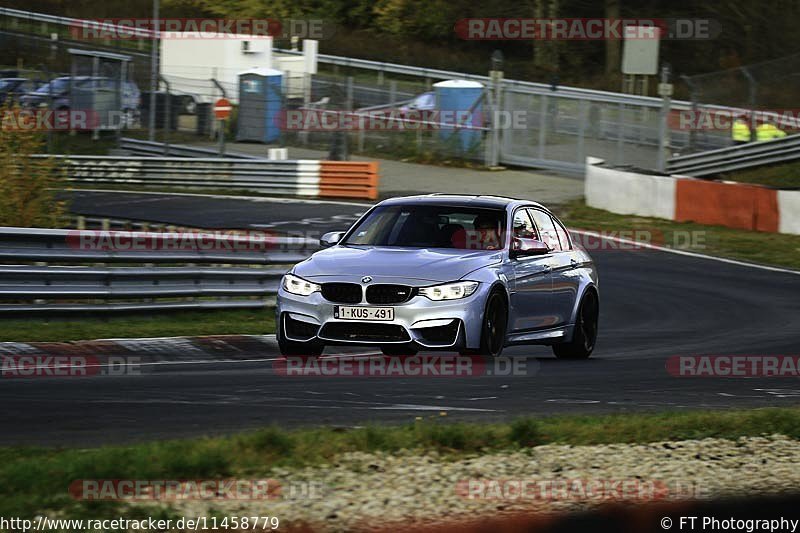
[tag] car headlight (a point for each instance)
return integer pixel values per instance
(449, 291)
(297, 285)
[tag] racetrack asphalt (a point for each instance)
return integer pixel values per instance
(654, 305)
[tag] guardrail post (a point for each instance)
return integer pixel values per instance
(752, 88)
(542, 124)
(620, 132)
(168, 110)
(693, 97)
(494, 96)
(665, 91)
(220, 123)
(582, 113)
(154, 77)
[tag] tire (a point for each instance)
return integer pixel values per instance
(287, 347)
(585, 336)
(398, 349)
(493, 328)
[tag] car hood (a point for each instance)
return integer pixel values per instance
(423, 264)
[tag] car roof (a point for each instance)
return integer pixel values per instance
(466, 200)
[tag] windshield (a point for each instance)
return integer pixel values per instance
(431, 226)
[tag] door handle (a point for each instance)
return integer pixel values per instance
(573, 263)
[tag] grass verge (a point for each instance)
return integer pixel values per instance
(757, 247)
(36, 479)
(218, 322)
(785, 176)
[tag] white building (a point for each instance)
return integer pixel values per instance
(190, 63)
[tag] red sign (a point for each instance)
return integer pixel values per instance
(222, 109)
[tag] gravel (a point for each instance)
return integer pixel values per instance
(360, 488)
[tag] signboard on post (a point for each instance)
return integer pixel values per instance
(640, 50)
(222, 109)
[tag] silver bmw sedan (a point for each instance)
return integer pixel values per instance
(471, 274)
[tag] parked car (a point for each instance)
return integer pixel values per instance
(423, 102)
(12, 88)
(451, 272)
(56, 95)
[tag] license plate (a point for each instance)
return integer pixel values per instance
(363, 313)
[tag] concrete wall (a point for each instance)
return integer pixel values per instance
(685, 199)
(789, 212)
(629, 193)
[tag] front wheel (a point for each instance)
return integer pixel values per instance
(585, 336)
(493, 328)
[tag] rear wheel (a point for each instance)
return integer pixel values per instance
(398, 349)
(585, 336)
(493, 329)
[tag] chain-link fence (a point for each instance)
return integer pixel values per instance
(559, 126)
(367, 115)
(753, 92)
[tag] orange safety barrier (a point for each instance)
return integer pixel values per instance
(348, 179)
(733, 205)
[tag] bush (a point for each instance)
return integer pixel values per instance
(27, 185)
(525, 432)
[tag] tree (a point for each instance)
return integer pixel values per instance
(27, 185)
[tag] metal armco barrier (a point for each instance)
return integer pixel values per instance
(195, 270)
(737, 157)
(156, 149)
(331, 179)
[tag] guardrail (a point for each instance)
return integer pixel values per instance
(152, 148)
(736, 157)
(81, 281)
(327, 179)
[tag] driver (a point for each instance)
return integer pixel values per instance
(487, 233)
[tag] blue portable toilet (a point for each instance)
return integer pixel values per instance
(260, 105)
(460, 102)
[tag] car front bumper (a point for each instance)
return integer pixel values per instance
(428, 324)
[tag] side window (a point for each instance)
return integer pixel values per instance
(523, 227)
(563, 235)
(547, 229)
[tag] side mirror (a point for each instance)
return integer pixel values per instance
(331, 238)
(525, 247)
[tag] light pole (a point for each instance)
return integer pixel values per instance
(154, 73)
